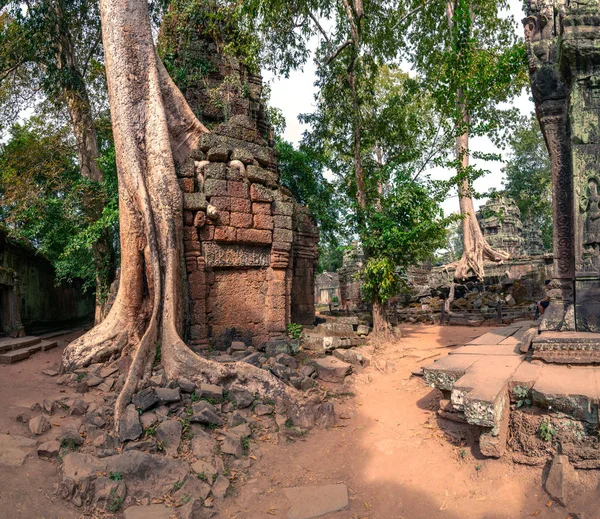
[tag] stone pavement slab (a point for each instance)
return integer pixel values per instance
(495, 336)
(315, 501)
(14, 449)
(486, 349)
(445, 371)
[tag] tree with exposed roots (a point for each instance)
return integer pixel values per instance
(154, 132)
(472, 59)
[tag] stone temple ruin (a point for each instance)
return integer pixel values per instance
(534, 388)
(250, 249)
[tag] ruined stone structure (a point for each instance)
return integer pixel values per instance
(29, 297)
(563, 46)
(250, 249)
(327, 287)
(500, 222)
(533, 244)
(352, 263)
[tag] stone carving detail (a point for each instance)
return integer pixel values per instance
(590, 206)
(563, 47)
(226, 255)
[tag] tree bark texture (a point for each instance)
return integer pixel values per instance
(154, 130)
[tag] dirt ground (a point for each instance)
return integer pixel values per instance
(396, 457)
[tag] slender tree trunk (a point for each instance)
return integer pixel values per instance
(86, 138)
(154, 129)
(476, 249)
(382, 328)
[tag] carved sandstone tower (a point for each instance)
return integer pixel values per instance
(563, 45)
(250, 248)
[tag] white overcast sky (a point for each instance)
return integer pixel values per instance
(295, 95)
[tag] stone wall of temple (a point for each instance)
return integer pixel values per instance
(29, 296)
(352, 263)
(327, 287)
(250, 249)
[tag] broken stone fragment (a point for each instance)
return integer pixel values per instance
(561, 480)
(232, 444)
(263, 410)
(93, 380)
(287, 360)
(145, 399)
(236, 418)
(212, 212)
(167, 395)
(49, 406)
(168, 434)
(186, 386)
(331, 369)
(70, 437)
(131, 428)
(205, 469)
(238, 346)
(274, 348)
(39, 425)
(362, 330)
(243, 431)
(203, 444)
(49, 449)
(193, 487)
(79, 407)
(207, 416)
(220, 487)
(241, 396)
(108, 491)
(210, 392)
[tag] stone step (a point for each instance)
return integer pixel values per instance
(49, 344)
(10, 343)
(443, 372)
(496, 336)
(482, 393)
(22, 353)
(486, 349)
(52, 335)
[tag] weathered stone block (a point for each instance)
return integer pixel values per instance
(260, 193)
(261, 176)
(240, 220)
(235, 175)
(188, 218)
(223, 218)
(187, 185)
(561, 480)
(283, 222)
(207, 233)
(261, 208)
(242, 155)
(331, 369)
(218, 154)
(221, 203)
(283, 208)
(216, 170)
(254, 236)
(225, 233)
(240, 205)
(237, 189)
(263, 221)
(215, 187)
(199, 220)
(235, 255)
(283, 235)
(194, 201)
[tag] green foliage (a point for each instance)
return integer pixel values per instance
(528, 177)
(114, 502)
(335, 300)
(115, 476)
(245, 443)
(44, 200)
(546, 430)
(294, 330)
(522, 394)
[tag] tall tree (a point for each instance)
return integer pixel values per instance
(155, 131)
(472, 60)
(49, 50)
(528, 177)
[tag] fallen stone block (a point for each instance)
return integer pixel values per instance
(39, 425)
(168, 434)
(131, 428)
(561, 479)
(331, 369)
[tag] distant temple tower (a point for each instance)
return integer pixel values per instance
(500, 222)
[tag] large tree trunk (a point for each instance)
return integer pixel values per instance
(382, 328)
(476, 249)
(154, 129)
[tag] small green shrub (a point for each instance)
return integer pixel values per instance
(115, 476)
(114, 502)
(522, 394)
(294, 330)
(335, 300)
(546, 430)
